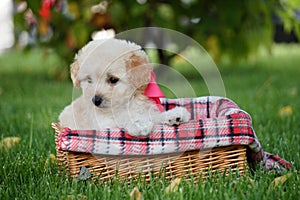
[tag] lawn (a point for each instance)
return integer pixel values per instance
(33, 93)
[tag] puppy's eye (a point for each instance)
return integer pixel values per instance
(89, 79)
(113, 80)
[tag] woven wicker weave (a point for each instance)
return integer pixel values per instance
(189, 164)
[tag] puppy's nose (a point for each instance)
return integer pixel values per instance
(97, 100)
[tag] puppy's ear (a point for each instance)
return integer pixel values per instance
(74, 72)
(139, 71)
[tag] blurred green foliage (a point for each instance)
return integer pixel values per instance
(67, 28)
(236, 29)
(233, 28)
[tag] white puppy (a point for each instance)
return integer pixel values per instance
(113, 75)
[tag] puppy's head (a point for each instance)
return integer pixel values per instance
(111, 72)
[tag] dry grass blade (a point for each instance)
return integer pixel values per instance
(135, 194)
(9, 142)
(279, 181)
(173, 187)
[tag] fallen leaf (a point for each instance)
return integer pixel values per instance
(285, 111)
(52, 159)
(279, 181)
(135, 194)
(77, 197)
(173, 187)
(9, 142)
(84, 174)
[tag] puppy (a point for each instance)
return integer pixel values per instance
(113, 75)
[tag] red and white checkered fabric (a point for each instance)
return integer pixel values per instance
(215, 122)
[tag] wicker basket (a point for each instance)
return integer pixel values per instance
(190, 164)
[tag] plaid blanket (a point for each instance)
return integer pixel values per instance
(215, 122)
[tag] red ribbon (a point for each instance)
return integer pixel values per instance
(153, 92)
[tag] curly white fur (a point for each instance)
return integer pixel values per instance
(113, 75)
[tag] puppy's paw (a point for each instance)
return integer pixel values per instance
(176, 116)
(140, 128)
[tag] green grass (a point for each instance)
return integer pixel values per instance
(32, 95)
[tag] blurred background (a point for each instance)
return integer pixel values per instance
(42, 37)
(246, 39)
(228, 30)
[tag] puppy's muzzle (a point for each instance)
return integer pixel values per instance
(97, 100)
